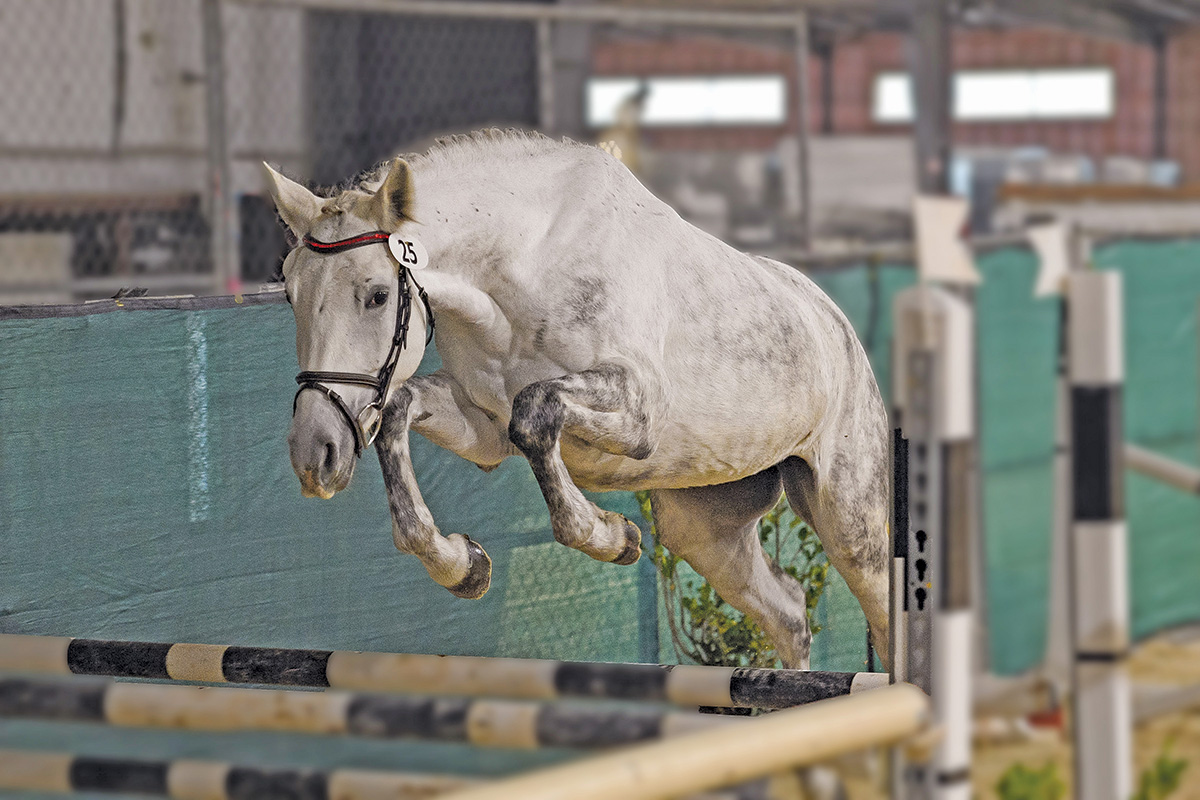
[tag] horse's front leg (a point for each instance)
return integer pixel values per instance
(453, 561)
(603, 408)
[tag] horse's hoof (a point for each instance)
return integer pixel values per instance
(633, 544)
(479, 574)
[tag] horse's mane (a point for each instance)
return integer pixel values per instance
(464, 148)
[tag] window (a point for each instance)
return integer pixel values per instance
(692, 100)
(1003, 95)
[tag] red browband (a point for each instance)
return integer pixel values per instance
(346, 244)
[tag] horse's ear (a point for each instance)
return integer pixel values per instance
(296, 205)
(393, 203)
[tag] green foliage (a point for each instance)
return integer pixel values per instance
(1157, 782)
(1022, 783)
(1162, 777)
(707, 630)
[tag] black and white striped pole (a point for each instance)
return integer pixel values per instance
(1088, 630)
(934, 403)
(1097, 547)
(191, 779)
(466, 676)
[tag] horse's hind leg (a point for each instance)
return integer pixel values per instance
(601, 408)
(847, 505)
(715, 529)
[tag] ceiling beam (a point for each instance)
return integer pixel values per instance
(1080, 17)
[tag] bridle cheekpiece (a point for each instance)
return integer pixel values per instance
(365, 426)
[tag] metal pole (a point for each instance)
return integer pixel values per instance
(545, 61)
(531, 12)
(221, 202)
(802, 156)
(1057, 659)
(827, 53)
(1161, 43)
(932, 91)
(932, 66)
(1174, 473)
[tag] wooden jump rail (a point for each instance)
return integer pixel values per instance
(762, 746)
(187, 779)
(192, 779)
(527, 679)
(479, 722)
(701, 753)
(695, 762)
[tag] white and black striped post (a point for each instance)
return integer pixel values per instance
(1097, 549)
(934, 389)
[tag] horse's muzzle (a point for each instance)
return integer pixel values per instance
(310, 486)
(322, 455)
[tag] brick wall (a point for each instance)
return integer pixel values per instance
(856, 63)
(1183, 103)
(697, 55)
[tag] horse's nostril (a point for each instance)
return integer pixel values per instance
(330, 463)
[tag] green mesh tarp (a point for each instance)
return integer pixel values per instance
(1018, 353)
(146, 493)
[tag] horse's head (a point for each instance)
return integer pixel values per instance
(360, 325)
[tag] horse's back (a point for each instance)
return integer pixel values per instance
(752, 363)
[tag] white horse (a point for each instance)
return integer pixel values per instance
(583, 324)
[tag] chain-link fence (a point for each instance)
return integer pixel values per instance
(132, 130)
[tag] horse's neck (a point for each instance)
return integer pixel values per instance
(471, 219)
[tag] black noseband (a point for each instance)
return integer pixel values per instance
(365, 426)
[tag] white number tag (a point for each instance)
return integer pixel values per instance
(408, 251)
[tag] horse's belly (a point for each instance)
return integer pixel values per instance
(677, 462)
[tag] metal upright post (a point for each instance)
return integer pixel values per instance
(932, 93)
(222, 213)
(931, 62)
(934, 391)
(545, 62)
(1097, 548)
(802, 130)
(1057, 658)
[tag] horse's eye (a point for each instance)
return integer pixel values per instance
(377, 299)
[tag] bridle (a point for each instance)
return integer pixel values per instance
(365, 426)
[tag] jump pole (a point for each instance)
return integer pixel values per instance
(187, 779)
(479, 722)
(933, 369)
(527, 679)
(711, 759)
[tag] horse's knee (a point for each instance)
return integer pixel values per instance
(537, 418)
